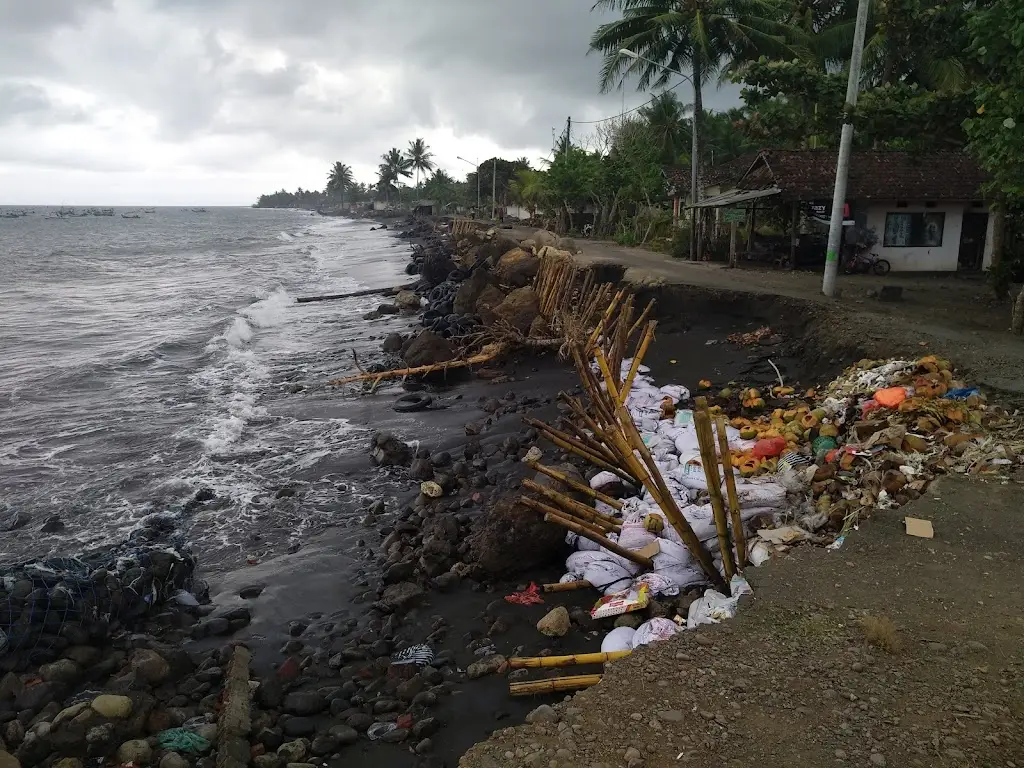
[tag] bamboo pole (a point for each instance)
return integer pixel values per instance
(738, 534)
(591, 446)
(643, 316)
(709, 460)
(554, 685)
(582, 530)
(583, 453)
(568, 586)
(638, 356)
(483, 357)
(541, 662)
(608, 313)
(561, 477)
(575, 508)
(565, 519)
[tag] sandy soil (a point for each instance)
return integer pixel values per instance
(794, 680)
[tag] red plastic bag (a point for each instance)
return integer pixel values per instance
(769, 447)
(529, 596)
(891, 397)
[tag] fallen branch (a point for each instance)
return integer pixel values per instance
(485, 356)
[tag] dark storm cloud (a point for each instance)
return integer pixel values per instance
(322, 78)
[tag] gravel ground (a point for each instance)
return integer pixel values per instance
(895, 651)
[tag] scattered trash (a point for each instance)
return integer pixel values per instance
(920, 528)
(622, 602)
(419, 655)
(529, 596)
(753, 337)
(182, 740)
(378, 730)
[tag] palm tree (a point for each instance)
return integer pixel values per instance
(705, 37)
(528, 187)
(420, 158)
(666, 117)
(339, 179)
(394, 166)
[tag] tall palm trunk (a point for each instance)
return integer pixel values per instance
(698, 108)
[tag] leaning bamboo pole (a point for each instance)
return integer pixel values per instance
(709, 460)
(541, 662)
(582, 529)
(738, 534)
(645, 342)
(574, 507)
(576, 485)
(554, 685)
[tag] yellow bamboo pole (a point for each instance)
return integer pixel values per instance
(581, 529)
(568, 586)
(641, 350)
(561, 477)
(541, 662)
(591, 446)
(554, 685)
(738, 534)
(483, 357)
(709, 460)
(575, 508)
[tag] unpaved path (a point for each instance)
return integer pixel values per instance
(792, 680)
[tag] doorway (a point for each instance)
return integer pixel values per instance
(972, 242)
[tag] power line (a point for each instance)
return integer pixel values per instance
(635, 109)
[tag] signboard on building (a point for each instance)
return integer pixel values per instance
(734, 215)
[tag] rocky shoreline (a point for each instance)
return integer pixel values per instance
(375, 669)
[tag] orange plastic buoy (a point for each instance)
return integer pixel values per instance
(891, 397)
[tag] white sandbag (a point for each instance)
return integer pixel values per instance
(607, 576)
(654, 631)
(606, 509)
(761, 494)
(657, 583)
(634, 537)
(712, 608)
(602, 479)
(619, 639)
(675, 391)
(581, 543)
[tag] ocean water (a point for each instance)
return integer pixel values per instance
(142, 360)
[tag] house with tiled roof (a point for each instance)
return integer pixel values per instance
(926, 209)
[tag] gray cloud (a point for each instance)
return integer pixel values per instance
(327, 79)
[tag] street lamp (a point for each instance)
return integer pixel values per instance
(477, 166)
(694, 148)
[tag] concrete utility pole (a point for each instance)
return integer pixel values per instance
(835, 229)
(477, 166)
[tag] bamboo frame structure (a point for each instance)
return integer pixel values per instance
(554, 685)
(738, 534)
(709, 460)
(543, 662)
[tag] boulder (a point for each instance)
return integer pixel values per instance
(489, 300)
(112, 707)
(486, 666)
(304, 703)
(519, 309)
(136, 751)
(150, 666)
(7, 760)
(407, 300)
(517, 268)
(567, 244)
(542, 238)
(393, 343)
(428, 349)
(469, 291)
(556, 623)
(402, 594)
(389, 451)
(60, 671)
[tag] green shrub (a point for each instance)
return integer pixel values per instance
(681, 243)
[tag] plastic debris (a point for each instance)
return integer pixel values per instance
(622, 602)
(183, 740)
(419, 655)
(378, 730)
(529, 596)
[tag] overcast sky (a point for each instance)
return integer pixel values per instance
(168, 102)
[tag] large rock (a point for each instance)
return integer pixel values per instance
(542, 238)
(112, 707)
(60, 671)
(517, 268)
(7, 760)
(150, 666)
(304, 703)
(556, 623)
(407, 300)
(486, 666)
(428, 349)
(519, 309)
(135, 751)
(488, 302)
(400, 595)
(469, 291)
(388, 451)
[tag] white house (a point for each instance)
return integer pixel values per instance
(925, 208)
